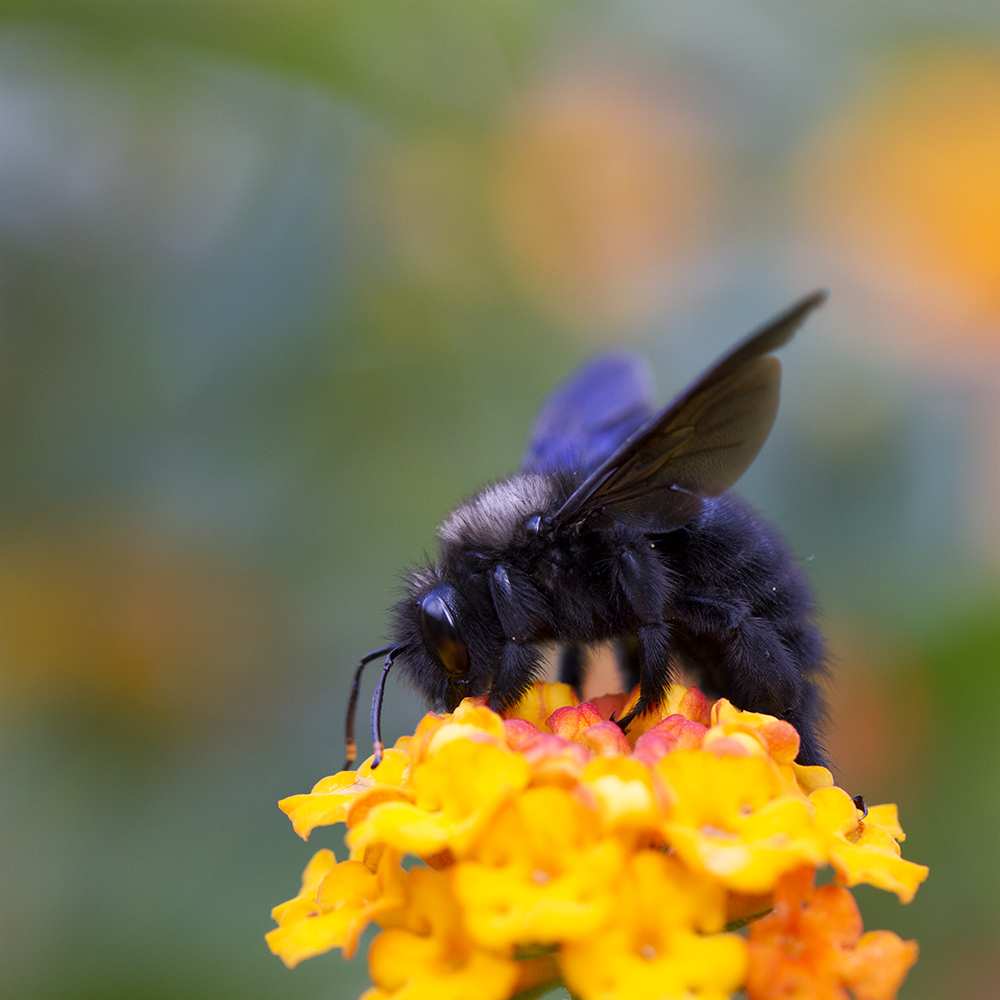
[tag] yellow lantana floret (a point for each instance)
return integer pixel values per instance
(429, 956)
(656, 946)
(455, 793)
(330, 798)
(865, 851)
(542, 873)
(336, 903)
(731, 818)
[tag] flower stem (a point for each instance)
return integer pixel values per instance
(541, 989)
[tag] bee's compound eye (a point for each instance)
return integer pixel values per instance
(437, 622)
(436, 618)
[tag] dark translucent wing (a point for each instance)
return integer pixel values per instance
(587, 418)
(698, 445)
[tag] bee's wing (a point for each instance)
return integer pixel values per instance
(587, 418)
(698, 445)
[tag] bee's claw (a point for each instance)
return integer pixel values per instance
(626, 720)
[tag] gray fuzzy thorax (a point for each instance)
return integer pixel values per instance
(491, 519)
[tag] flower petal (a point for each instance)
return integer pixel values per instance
(864, 851)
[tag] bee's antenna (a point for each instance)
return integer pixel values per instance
(377, 708)
(352, 706)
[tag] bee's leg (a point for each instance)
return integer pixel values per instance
(629, 658)
(520, 665)
(806, 717)
(758, 674)
(760, 671)
(646, 588)
(654, 646)
(522, 612)
(572, 667)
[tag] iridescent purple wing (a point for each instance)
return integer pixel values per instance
(589, 416)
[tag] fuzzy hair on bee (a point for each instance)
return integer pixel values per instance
(618, 528)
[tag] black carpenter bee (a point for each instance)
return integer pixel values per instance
(617, 528)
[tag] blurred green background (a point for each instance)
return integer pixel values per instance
(282, 282)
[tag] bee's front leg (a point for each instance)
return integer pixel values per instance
(654, 649)
(520, 666)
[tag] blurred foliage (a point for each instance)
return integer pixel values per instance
(280, 283)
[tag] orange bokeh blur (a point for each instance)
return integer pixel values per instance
(603, 187)
(125, 621)
(903, 186)
(881, 728)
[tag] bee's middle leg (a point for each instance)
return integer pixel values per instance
(629, 658)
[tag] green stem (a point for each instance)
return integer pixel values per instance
(527, 952)
(540, 990)
(736, 925)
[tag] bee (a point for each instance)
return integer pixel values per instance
(618, 528)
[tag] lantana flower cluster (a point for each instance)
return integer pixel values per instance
(678, 861)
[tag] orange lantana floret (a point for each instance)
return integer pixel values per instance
(811, 947)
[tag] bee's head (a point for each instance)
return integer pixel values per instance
(448, 636)
(447, 642)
